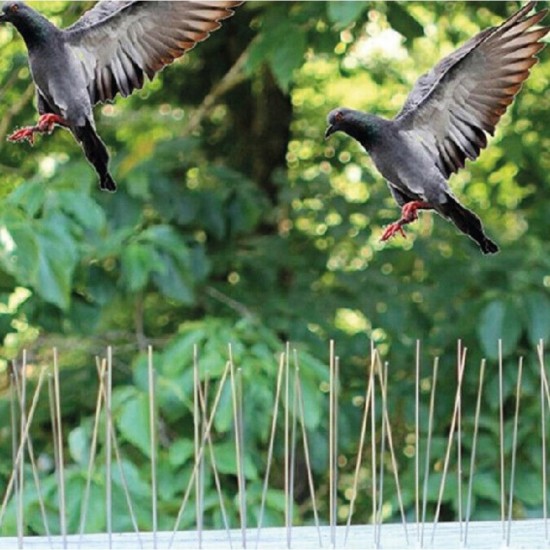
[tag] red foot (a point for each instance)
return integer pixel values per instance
(409, 213)
(22, 134)
(45, 125)
(47, 122)
(392, 229)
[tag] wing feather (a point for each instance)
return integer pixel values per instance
(463, 97)
(118, 43)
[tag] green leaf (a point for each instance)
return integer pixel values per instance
(288, 55)
(403, 22)
(138, 262)
(538, 317)
(79, 445)
(133, 422)
(344, 12)
(173, 281)
(57, 260)
(82, 208)
(181, 451)
(19, 250)
(226, 460)
(499, 321)
(29, 196)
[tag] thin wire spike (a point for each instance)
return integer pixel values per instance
(271, 444)
(501, 441)
(428, 449)
(417, 441)
(197, 437)
(101, 367)
(153, 441)
(543, 387)
(332, 467)
(108, 446)
(102, 373)
(395, 468)
(21, 482)
(474, 449)
(373, 452)
(59, 445)
(287, 444)
(459, 446)
(514, 450)
(20, 449)
(382, 453)
(240, 418)
(293, 452)
(13, 424)
(204, 412)
(306, 449)
(30, 450)
(196, 465)
(462, 361)
(238, 451)
(362, 436)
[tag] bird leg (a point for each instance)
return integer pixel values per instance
(45, 125)
(409, 213)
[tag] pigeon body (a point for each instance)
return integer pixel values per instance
(108, 51)
(446, 119)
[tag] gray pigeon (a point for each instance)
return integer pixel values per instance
(445, 120)
(109, 50)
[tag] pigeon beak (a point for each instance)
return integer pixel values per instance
(330, 130)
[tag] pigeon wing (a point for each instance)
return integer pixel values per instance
(118, 42)
(452, 107)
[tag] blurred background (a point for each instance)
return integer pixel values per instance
(236, 222)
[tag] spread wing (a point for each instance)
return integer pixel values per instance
(452, 107)
(118, 42)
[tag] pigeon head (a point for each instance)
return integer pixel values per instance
(354, 123)
(13, 12)
(32, 26)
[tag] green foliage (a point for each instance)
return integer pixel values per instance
(239, 224)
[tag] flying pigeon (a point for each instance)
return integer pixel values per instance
(109, 50)
(446, 119)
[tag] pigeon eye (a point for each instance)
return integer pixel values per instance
(14, 8)
(338, 117)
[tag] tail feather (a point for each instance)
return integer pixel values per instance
(96, 153)
(468, 223)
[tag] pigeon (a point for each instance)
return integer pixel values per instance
(445, 120)
(108, 51)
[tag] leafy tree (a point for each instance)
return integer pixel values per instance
(237, 223)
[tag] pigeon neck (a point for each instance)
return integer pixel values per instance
(35, 29)
(365, 130)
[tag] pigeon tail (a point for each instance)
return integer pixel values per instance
(468, 223)
(96, 153)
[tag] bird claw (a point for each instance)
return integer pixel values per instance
(23, 134)
(392, 229)
(47, 122)
(45, 125)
